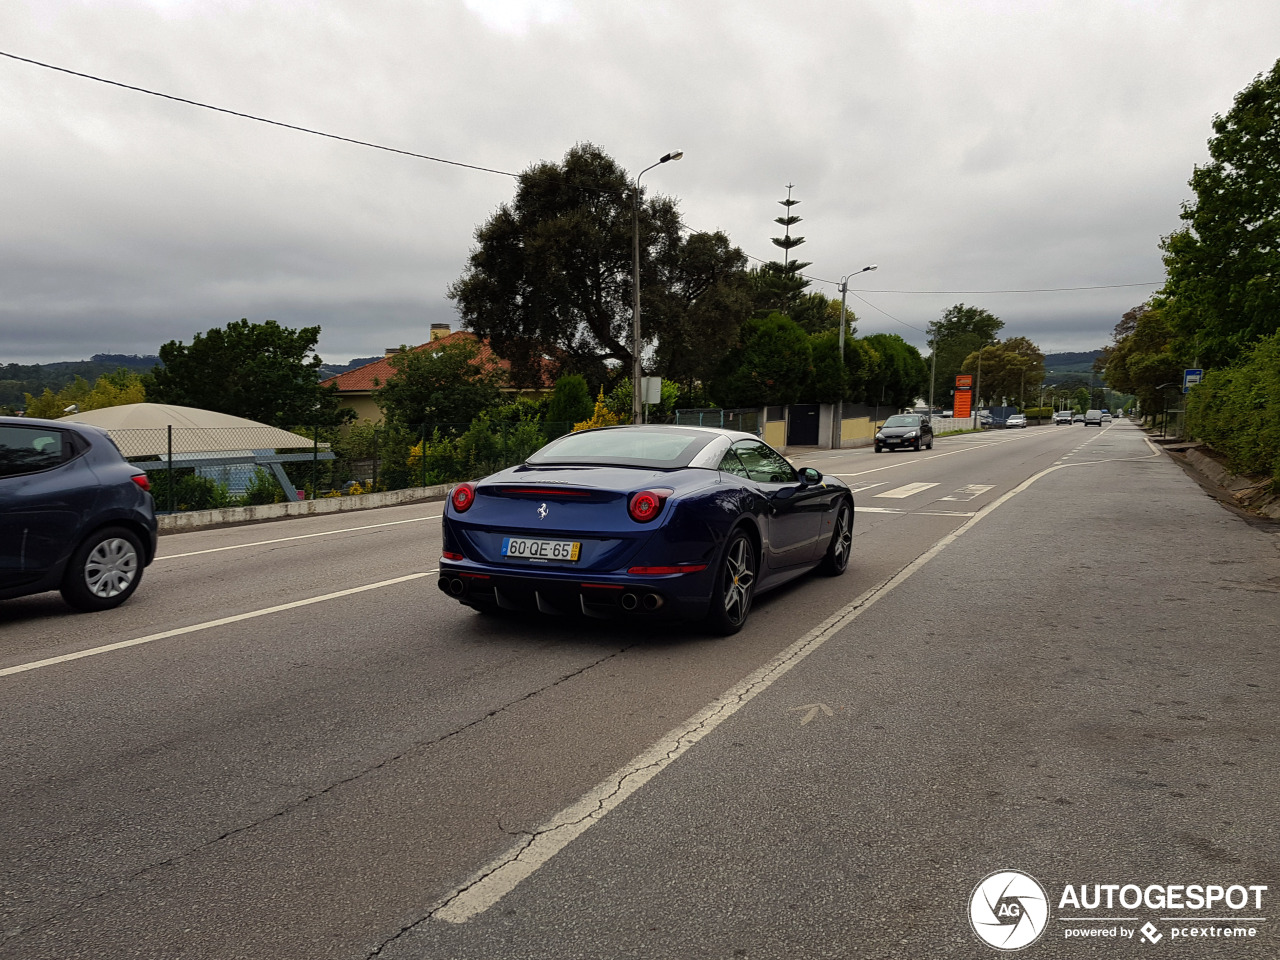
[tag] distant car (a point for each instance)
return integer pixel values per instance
(75, 516)
(1062, 416)
(948, 414)
(643, 522)
(1093, 418)
(1016, 420)
(1106, 417)
(905, 430)
(1078, 418)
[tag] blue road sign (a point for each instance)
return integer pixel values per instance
(1190, 378)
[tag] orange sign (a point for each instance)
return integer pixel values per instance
(964, 381)
(963, 407)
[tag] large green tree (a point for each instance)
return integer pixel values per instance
(261, 371)
(694, 308)
(1142, 360)
(1221, 293)
(1012, 370)
(960, 331)
(901, 377)
(772, 364)
(549, 280)
(446, 386)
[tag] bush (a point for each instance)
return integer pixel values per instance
(263, 488)
(1236, 411)
(190, 492)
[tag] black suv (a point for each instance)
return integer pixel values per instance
(75, 516)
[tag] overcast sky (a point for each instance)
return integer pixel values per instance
(965, 147)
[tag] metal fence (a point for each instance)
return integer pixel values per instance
(201, 468)
(746, 419)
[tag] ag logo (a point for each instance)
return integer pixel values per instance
(1008, 910)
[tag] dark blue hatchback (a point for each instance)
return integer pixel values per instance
(75, 516)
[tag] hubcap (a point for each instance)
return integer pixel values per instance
(110, 568)
(739, 578)
(844, 539)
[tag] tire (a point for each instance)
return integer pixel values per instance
(877, 448)
(931, 443)
(104, 570)
(840, 548)
(734, 586)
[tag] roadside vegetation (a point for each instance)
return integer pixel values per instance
(1219, 309)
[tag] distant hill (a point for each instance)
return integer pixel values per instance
(1071, 362)
(328, 370)
(17, 379)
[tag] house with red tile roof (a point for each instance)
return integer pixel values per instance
(356, 387)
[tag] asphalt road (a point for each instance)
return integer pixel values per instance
(1052, 653)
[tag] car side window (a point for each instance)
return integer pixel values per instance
(731, 464)
(763, 463)
(31, 449)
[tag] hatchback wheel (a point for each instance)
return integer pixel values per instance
(104, 570)
(735, 585)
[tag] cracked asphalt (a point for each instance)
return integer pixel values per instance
(1078, 683)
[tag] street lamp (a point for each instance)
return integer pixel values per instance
(636, 344)
(838, 433)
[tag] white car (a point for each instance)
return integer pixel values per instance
(1016, 420)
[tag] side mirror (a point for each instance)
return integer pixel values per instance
(810, 476)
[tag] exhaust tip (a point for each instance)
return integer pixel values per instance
(652, 601)
(629, 601)
(456, 586)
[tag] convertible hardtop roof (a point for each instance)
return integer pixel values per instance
(652, 446)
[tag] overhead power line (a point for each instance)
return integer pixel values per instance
(507, 173)
(250, 116)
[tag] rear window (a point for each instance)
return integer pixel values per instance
(32, 449)
(624, 446)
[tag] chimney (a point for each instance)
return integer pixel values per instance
(439, 330)
(390, 352)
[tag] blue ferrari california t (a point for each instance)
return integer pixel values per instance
(643, 521)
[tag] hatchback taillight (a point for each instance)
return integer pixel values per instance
(142, 481)
(463, 496)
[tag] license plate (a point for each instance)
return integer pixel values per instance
(522, 548)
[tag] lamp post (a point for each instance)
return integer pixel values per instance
(636, 343)
(837, 434)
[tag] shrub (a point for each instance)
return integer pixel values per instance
(1236, 410)
(263, 488)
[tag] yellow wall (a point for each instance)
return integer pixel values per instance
(775, 434)
(861, 428)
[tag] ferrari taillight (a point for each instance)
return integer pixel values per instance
(647, 504)
(463, 496)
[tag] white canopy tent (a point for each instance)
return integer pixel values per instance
(218, 445)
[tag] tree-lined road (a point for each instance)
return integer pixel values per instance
(289, 743)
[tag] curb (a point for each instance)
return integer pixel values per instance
(231, 516)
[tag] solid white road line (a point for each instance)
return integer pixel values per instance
(301, 536)
(207, 625)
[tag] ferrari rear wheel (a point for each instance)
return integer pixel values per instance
(734, 585)
(836, 561)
